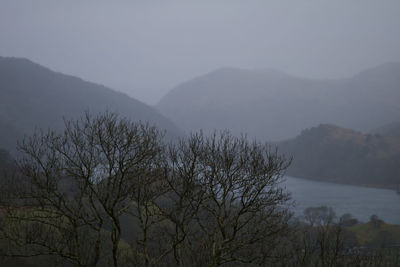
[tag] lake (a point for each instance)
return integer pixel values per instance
(360, 201)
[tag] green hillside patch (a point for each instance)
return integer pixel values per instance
(384, 235)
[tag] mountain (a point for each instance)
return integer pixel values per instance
(34, 96)
(272, 105)
(332, 153)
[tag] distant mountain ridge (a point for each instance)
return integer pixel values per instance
(272, 105)
(335, 154)
(34, 96)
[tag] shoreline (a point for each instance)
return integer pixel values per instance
(387, 187)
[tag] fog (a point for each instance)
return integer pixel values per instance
(199, 133)
(145, 48)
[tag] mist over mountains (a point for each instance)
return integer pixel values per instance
(357, 140)
(346, 130)
(199, 133)
(272, 105)
(32, 96)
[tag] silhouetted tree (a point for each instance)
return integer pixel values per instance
(226, 202)
(347, 220)
(322, 238)
(375, 221)
(79, 183)
(203, 201)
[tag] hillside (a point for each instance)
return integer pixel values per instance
(384, 235)
(5, 162)
(332, 153)
(392, 129)
(34, 96)
(272, 105)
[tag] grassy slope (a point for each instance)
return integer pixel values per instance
(367, 233)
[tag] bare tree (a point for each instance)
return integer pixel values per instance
(322, 238)
(80, 183)
(226, 204)
(202, 201)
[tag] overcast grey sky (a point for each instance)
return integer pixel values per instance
(146, 47)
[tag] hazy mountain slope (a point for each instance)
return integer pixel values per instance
(332, 153)
(274, 105)
(34, 96)
(392, 129)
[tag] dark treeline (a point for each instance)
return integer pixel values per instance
(110, 192)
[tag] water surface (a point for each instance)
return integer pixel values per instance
(360, 201)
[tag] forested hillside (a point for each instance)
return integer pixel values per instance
(332, 153)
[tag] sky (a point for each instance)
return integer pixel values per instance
(145, 48)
